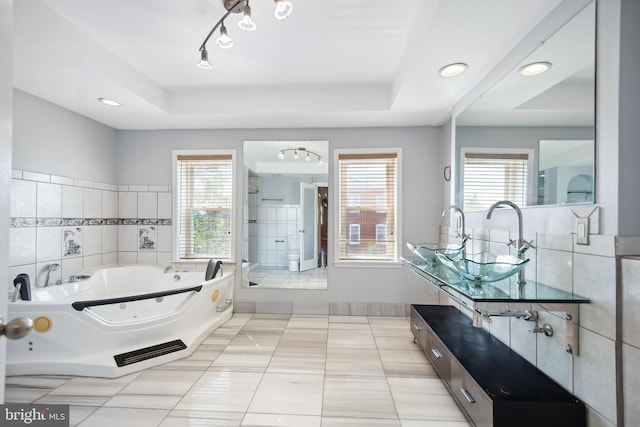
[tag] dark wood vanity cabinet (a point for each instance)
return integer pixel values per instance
(491, 383)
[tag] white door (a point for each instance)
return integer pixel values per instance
(309, 229)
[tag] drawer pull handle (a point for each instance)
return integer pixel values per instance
(436, 353)
(467, 395)
(417, 328)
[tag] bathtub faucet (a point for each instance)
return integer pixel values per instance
(213, 267)
(52, 267)
(167, 268)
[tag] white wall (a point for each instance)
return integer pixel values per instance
(143, 157)
(6, 121)
(607, 85)
(53, 140)
(629, 125)
(447, 137)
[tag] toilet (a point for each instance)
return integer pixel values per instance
(293, 252)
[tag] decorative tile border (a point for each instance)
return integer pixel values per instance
(22, 222)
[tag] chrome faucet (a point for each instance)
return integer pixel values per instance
(52, 267)
(167, 268)
(461, 233)
(521, 244)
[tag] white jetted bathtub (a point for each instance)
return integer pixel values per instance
(120, 320)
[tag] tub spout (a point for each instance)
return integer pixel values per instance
(212, 269)
(16, 292)
(52, 267)
(167, 268)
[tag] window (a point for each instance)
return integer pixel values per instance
(354, 234)
(381, 233)
(370, 179)
(204, 200)
(488, 177)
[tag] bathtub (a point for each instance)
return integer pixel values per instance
(120, 320)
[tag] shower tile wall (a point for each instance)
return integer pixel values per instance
(79, 224)
(273, 224)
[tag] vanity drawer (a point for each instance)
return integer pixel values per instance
(470, 396)
(439, 356)
(418, 328)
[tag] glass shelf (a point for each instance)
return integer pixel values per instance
(504, 298)
(506, 290)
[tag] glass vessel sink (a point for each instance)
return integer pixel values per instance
(484, 267)
(427, 251)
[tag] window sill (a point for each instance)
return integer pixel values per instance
(367, 264)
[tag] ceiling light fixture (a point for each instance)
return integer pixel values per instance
(110, 102)
(307, 157)
(534, 69)
(282, 10)
(224, 41)
(246, 23)
(453, 70)
(204, 60)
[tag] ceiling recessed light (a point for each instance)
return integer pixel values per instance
(110, 102)
(534, 69)
(453, 70)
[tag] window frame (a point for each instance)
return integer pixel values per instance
(175, 209)
(530, 195)
(373, 263)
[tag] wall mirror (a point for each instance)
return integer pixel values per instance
(530, 139)
(285, 214)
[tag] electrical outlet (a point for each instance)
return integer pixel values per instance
(582, 231)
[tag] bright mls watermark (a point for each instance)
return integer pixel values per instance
(14, 414)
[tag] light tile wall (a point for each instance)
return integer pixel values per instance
(588, 271)
(63, 221)
(145, 232)
(80, 224)
(630, 267)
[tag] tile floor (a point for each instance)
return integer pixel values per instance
(268, 370)
(281, 277)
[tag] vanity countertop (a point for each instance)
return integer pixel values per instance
(507, 290)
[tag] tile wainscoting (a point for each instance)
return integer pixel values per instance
(80, 224)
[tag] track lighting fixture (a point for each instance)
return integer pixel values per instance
(283, 9)
(296, 155)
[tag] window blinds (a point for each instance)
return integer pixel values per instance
(490, 177)
(367, 206)
(204, 206)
